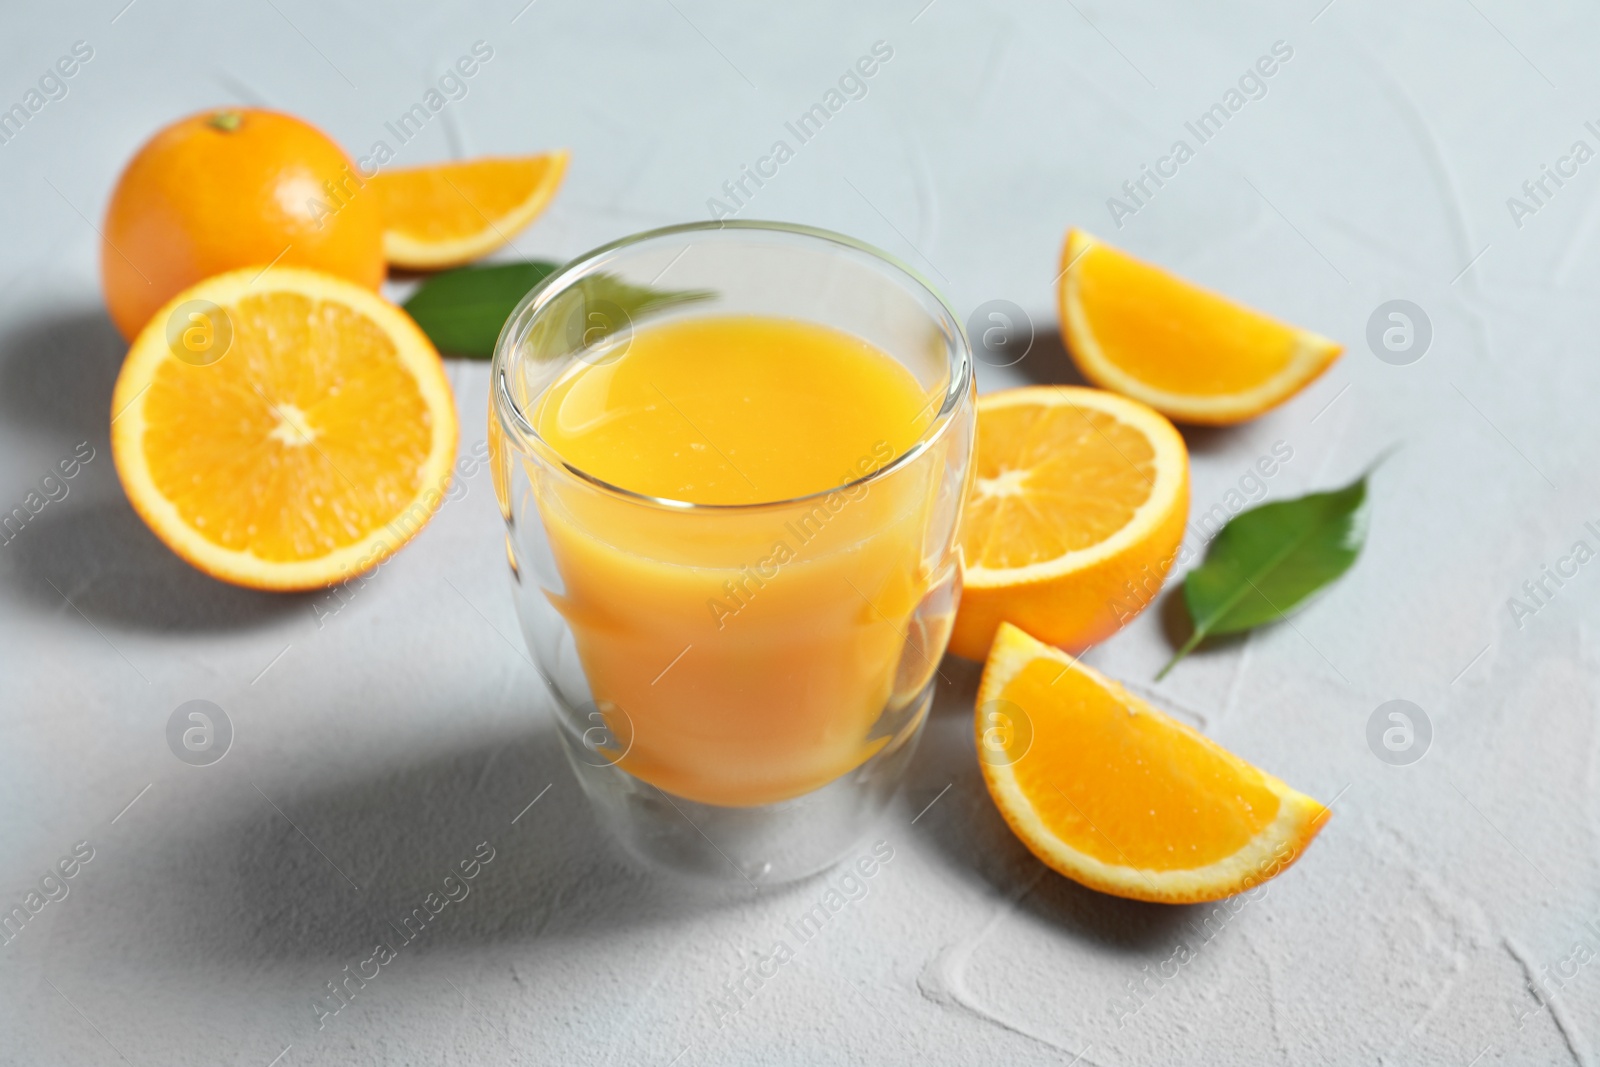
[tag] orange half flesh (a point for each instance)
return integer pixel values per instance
(1077, 506)
(317, 444)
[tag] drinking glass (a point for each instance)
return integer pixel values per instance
(761, 740)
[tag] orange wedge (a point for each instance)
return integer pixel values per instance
(1189, 353)
(1077, 507)
(283, 429)
(452, 213)
(1114, 794)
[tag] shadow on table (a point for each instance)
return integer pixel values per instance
(57, 373)
(1046, 362)
(105, 559)
(318, 869)
(977, 843)
(56, 377)
(310, 862)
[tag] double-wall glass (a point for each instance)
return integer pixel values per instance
(738, 687)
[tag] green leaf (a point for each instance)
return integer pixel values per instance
(1266, 561)
(462, 310)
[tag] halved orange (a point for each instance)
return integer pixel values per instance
(1114, 794)
(1189, 353)
(283, 428)
(1075, 514)
(448, 214)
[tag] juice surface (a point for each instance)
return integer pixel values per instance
(741, 658)
(734, 410)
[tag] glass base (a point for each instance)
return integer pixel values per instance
(767, 845)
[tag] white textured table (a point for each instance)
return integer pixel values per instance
(380, 744)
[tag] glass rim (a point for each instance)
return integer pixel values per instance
(516, 424)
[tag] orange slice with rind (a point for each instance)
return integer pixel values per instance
(447, 214)
(1074, 516)
(1191, 354)
(283, 429)
(1112, 793)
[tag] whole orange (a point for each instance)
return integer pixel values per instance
(231, 188)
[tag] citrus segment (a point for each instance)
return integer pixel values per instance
(1117, 795)
(1187, 352)
(452, 213)
(1077, 506)
(316, 445)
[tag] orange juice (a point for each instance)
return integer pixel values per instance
(742, 656)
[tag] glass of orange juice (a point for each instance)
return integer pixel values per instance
(731, 459)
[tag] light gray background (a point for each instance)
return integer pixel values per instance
(377, 749)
